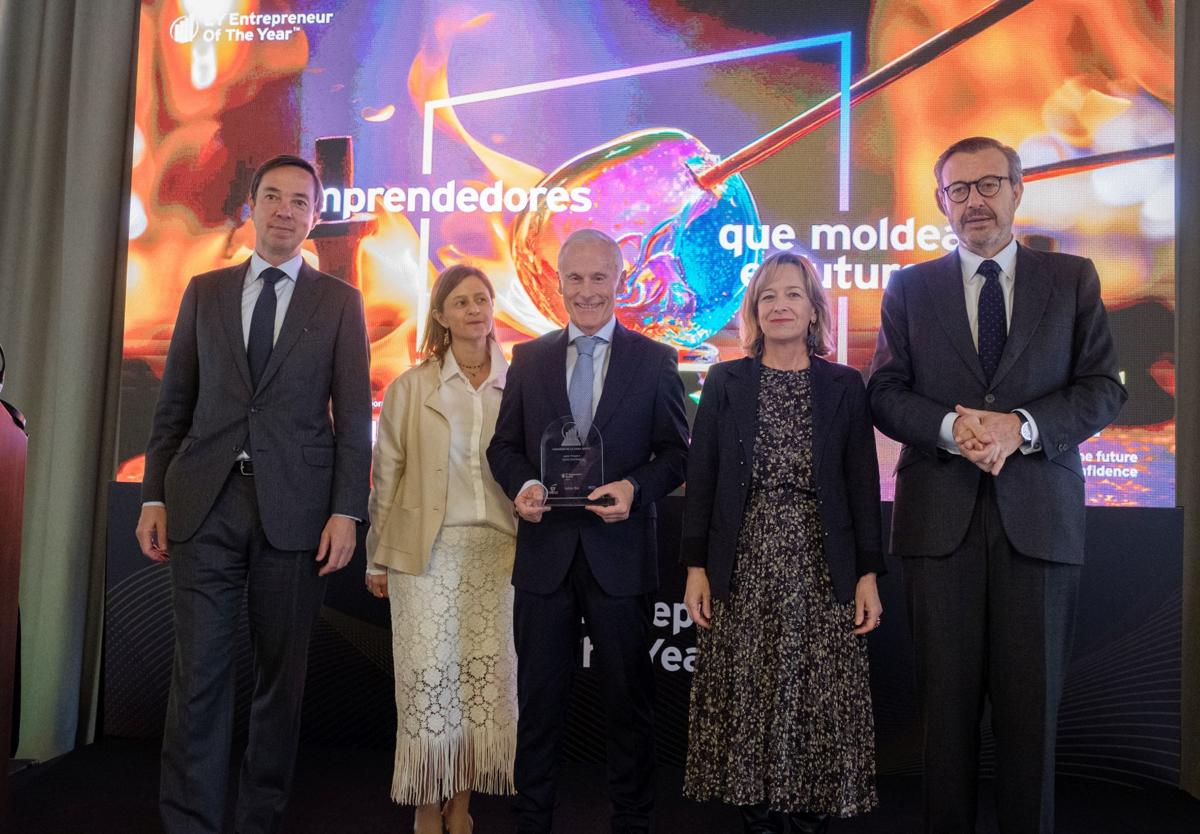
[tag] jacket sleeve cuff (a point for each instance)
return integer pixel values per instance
(870, 561)
(693, 553)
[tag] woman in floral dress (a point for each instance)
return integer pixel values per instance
(782, 540)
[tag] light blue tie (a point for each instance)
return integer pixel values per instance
(580, 390)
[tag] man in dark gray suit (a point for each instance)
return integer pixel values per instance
(260, 457)
(993, 364)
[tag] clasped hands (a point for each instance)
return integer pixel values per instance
(986, 438)
(531, 504)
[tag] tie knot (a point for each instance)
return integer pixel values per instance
(586, 345)
(270, 276)
(989, 269)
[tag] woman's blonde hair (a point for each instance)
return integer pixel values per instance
(437, 337)
(820, 334)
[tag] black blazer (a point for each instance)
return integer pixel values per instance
(1059, 363)
(845, 469)
(307, 425)
(641, 418)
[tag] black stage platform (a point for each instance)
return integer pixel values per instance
(112, 786)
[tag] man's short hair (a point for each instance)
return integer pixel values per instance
(594, 236)
(975, 144)
(285, 160)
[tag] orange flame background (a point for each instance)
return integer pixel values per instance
(1078, 70)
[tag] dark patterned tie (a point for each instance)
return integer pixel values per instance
(993, 322)
(262, 325)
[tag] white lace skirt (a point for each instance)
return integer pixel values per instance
(456, 669)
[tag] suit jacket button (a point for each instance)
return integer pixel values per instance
(1062, 447)
(989, 398)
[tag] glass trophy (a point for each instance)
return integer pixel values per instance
(572, 466)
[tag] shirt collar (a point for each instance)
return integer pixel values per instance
(258, 263)
(498, 373)
(1006, 259)
(604, 334)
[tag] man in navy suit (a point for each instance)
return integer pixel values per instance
(598, 562)
(993, 364)
(260, 456)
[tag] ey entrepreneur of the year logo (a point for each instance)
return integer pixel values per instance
(184, 29)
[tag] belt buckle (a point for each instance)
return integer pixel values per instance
(246, 467)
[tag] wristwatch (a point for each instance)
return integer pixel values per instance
(1026, 429)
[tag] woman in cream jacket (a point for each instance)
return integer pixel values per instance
(441, 549)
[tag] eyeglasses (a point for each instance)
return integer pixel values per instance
(986, 186)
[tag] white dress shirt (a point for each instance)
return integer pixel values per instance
(973, 282)
(600, 355)
(252, 288)
(463, 406)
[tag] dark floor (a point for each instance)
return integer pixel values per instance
(111, 787)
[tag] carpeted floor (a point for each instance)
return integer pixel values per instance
(112, 786)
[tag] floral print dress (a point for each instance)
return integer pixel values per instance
(780, 703)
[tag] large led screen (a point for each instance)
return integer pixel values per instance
(701, 134)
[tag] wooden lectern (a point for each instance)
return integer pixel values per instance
(13, 446)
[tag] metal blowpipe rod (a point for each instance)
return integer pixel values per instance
(810, 120)
(1091, 163)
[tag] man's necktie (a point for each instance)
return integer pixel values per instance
(993, 321)
(580, 390)
(262, 325)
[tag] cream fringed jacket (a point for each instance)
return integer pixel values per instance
(413, 468)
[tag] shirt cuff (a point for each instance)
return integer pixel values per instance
(375, 570)
(1034, 445)
(946, 434)
(153, 504)
(355, 519)
(530, 482)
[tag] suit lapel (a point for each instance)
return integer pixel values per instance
(556, 372)
(230, 295)
(950, 301)
(741, 392)
(306, 297)
(827, 393)
(1031, 293)
(622, 365)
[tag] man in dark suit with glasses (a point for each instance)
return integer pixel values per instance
(993, 364)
